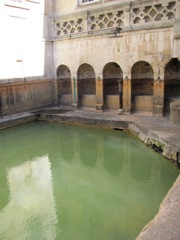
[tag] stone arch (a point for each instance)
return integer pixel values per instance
(171, 82)
(142, 87)
(86, 86)
(64, 85)
(112, 85)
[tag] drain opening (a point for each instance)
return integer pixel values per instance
(118, 129)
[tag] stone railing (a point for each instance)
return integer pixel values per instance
(159, 11)
(124, 16)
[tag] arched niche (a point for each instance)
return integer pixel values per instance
(64, 85)
(86, 86)
(171, 82)
(112, 85)
(142, 87)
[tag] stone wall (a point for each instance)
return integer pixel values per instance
(16, 97)
(137, 37)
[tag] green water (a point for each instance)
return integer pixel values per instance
(77, 183)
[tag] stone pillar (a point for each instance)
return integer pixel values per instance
(177, 9)
(120, 82)
(158, 97)
(56, 91)
(86, 24)
(74, 93)
(99, 94)
(127, 14)
(127, 95)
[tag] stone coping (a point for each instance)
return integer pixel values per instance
(166, 224)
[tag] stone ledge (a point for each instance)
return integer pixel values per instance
(166, 224)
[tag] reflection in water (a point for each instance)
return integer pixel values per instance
(68, 148)
(113, 161)
(88, 150)
(106, 185)
(31, 203)
(141, 161)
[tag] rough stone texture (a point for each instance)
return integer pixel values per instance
(112, 102)
(88, 100)
(143, 102)
(166, 224)
(175, 111)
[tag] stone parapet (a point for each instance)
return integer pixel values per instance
(128, 16)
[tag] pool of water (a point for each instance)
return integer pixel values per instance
(78, 183)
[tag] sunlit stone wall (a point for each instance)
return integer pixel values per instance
(121, 32)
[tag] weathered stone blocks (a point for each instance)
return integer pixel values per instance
(175, 111)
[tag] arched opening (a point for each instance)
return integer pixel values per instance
(86, 86)
(142, 85)
(171, 83)
(64, 86)
(112, 86)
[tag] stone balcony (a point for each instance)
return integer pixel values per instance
(123, 17)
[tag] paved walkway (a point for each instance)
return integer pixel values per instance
(158, 125)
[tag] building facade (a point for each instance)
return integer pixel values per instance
(25, 60)
(99, 54)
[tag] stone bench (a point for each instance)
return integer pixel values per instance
(175, 111)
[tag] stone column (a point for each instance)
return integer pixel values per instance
(127, 95)
(74, 93)
(120, 82)
(99, 94)
(158, 97)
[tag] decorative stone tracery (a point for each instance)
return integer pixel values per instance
(106, 19)
(69, 26)
(117, 16)
(153, 13)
